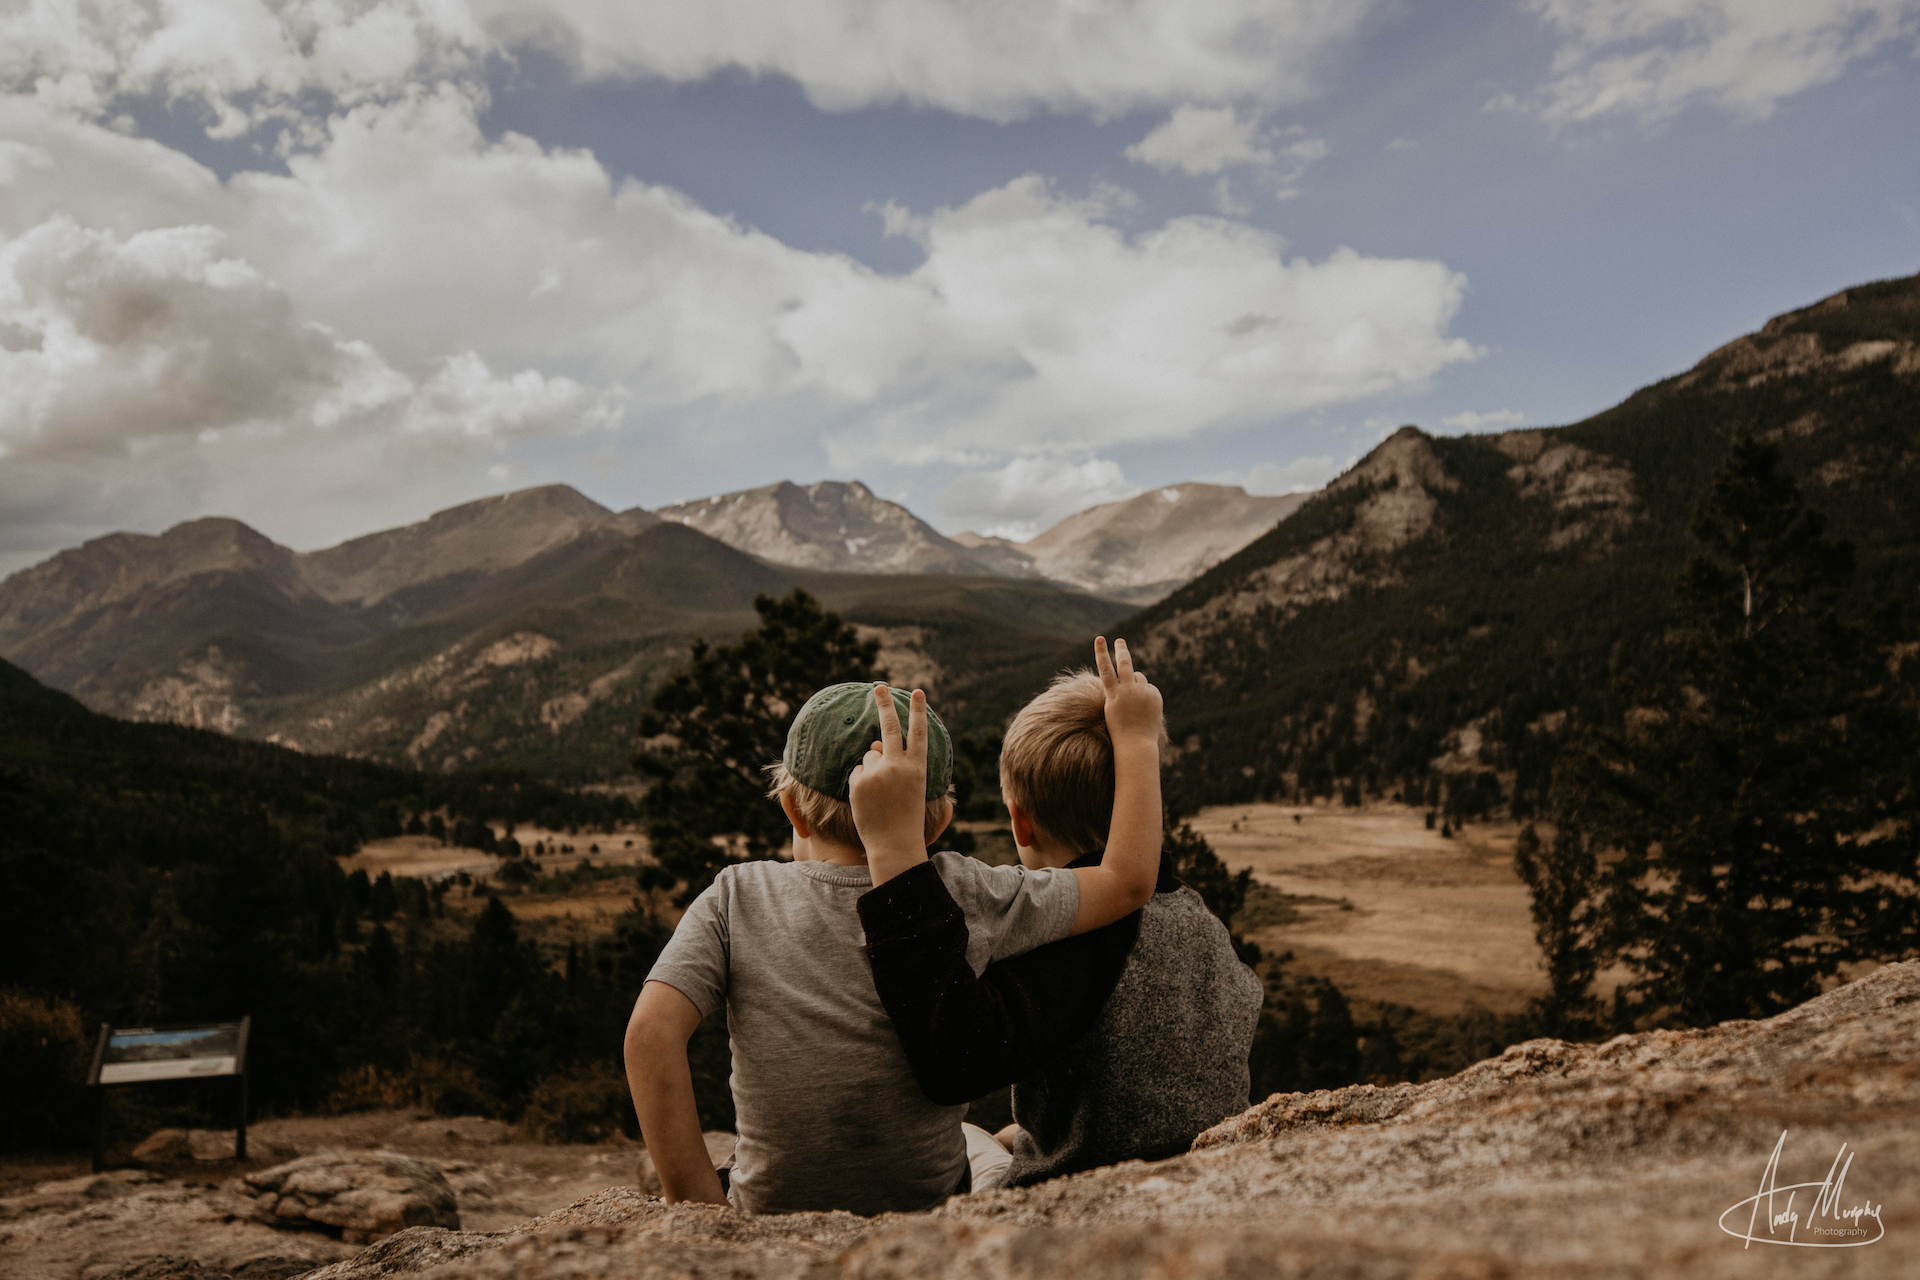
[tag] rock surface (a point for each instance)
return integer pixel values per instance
(60, 1223)
(1553, 1160)
(358, 1195)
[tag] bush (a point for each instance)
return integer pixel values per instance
(589, 1103)
(44, 1055)
(425, 1083)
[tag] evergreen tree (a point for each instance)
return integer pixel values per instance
(1749, 826)
(709, 733)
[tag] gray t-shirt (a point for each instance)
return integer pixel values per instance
(828, 1111)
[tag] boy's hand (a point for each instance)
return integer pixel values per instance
(1124, 880)
(888, 789)
(1133, 705)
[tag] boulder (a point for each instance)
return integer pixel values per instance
(164, 1146)
(1643, 1156)
(355, 1195)
(176, 1146)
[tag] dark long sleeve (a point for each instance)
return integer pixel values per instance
(967, 1035)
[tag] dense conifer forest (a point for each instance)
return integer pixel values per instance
(159, 874)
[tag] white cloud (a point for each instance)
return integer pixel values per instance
(997, 59)
(1649, 59)
(152, 364)
(292, 343)
(1030, 495)
(1302, 475)
(1201, 140)
(1035, 325)
(1468, 420)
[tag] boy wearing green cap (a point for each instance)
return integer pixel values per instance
(829, 1113)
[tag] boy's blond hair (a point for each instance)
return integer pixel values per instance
(1057, 762)
(833, 819)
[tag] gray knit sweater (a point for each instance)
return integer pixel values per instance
(1166, 1059)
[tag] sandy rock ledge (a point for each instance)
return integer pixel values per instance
(355, 1195)
(1552, 1160)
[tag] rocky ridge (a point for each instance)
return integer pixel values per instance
(1641, 1156)
(1143, 548)
(833, 526)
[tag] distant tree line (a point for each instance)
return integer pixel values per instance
(154, 874)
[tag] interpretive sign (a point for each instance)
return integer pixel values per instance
(150, 1055)
(135, 1055)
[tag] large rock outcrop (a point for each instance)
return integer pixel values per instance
(1553, 1160)
(356, 1195)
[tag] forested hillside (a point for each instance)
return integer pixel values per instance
(1441, 618)
(156, 873)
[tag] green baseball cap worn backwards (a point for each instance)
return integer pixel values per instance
(834, 730)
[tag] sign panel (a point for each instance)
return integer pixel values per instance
(137, 1054)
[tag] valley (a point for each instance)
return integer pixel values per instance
(1387, 909)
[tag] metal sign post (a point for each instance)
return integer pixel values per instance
(148, 1055)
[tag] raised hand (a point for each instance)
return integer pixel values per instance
(888, 789)
(1133, 704)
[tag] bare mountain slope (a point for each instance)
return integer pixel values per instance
(476, 538)
(835, 526)
(1136, 551)
(1143, 548)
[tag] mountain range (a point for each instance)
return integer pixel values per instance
(1433, 624)
(522, 629)
(1439, 619)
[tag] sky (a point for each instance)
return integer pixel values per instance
(328, 266)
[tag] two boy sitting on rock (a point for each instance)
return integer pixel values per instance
(872, 990)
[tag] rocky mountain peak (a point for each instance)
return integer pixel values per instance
(832, 525)
(476, 537)
(107, 570)
(1143, 547)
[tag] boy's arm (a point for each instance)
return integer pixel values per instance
(656, 1049)
(1123, 882)
(967, 1035)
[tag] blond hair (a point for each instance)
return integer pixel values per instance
(1057, 762)
(832, 819)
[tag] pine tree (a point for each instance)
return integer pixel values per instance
(709, 733)
(1749, 826)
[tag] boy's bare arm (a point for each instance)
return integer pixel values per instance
(1123, 882)
(657, 1034)
(888, 789)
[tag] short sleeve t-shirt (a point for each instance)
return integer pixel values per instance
(828, 1111)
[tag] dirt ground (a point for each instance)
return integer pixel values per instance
(1385, 908)
(57, 1222)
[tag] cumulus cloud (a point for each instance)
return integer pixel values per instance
(1030, 495)
(156, 353)
(997, 59)
(1302, 475)
(411, 290)
(1051, 329)
(1649, 59)
(1205, 141)
(1468, 420)
(1201, 140)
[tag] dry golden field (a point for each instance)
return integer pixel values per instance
(1387, 909)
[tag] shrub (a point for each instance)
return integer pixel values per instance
(425, 1083)
(588, 1103)
(44, 1055)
